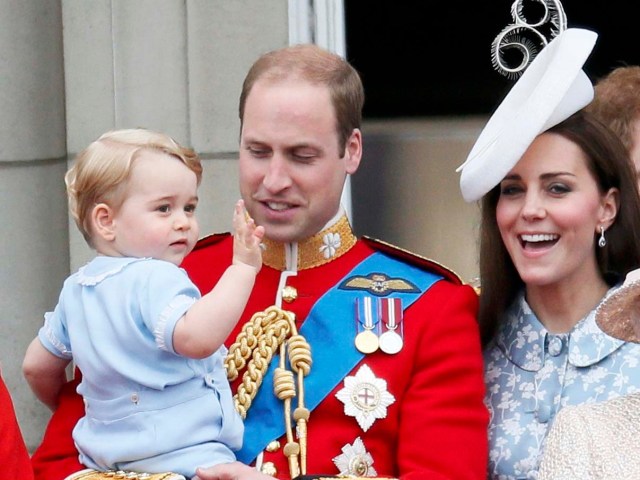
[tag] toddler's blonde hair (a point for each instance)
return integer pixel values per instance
(100, 172)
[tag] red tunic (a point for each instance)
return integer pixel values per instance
(435, 428)
(14, 459)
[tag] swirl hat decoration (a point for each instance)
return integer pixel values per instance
(552, 88)
(526, 37)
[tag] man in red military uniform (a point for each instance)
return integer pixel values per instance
(14, 459)
(383, 370)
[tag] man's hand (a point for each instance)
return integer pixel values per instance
(230, 471)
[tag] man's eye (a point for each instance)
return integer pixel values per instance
(258, 152)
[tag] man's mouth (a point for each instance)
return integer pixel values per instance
(278, 206)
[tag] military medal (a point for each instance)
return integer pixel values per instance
(355, 460)
(366, 339)
(366, 342)
(391, 312)
(365, 397)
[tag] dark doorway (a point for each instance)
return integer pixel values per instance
(431, 58)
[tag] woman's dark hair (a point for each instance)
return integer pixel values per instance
(609, 163)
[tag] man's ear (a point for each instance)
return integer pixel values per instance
(103, 221)
(353, 151)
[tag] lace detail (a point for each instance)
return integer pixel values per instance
(59, 346)
(159, 331)
(89, 280)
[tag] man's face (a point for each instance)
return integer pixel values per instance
(291, 169)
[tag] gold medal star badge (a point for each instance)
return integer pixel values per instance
(365, 397)
(355, 460)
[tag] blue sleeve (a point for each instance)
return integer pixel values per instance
(168, 296)
(53, 334)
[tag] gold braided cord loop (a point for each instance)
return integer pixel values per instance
(274, 335)
(247, 340)
(299, 354)
(259, 339)
(283, 384)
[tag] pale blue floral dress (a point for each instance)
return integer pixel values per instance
(531, 373)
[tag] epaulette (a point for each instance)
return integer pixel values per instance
(413, 259)
(211, 239)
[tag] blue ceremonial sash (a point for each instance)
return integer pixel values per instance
(336, 307)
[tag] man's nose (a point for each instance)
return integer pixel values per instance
(277, 176)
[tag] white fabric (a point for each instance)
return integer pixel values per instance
(595, 442)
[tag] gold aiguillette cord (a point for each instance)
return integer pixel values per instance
(254, 347)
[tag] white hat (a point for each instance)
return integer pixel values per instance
(553, 88)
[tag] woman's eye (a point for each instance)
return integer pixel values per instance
(509, 189)
(559, 188)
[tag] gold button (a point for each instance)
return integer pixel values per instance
(273, 446)
(289, 294)
(268, 468)
(358, 466)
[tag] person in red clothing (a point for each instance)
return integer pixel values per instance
(353, 357)
(14, 458)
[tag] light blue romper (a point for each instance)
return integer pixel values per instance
(147, 408)
(531, 373)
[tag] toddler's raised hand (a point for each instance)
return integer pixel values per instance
(246, 238)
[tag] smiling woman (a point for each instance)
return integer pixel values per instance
(560, 227)
(571, 188)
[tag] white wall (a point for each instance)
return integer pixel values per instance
(73, 69)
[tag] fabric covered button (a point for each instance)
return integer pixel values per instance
(543, 413)
(135, 398)
(208, 380)
(555, 346)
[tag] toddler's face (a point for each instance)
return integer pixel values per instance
(157, 218)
